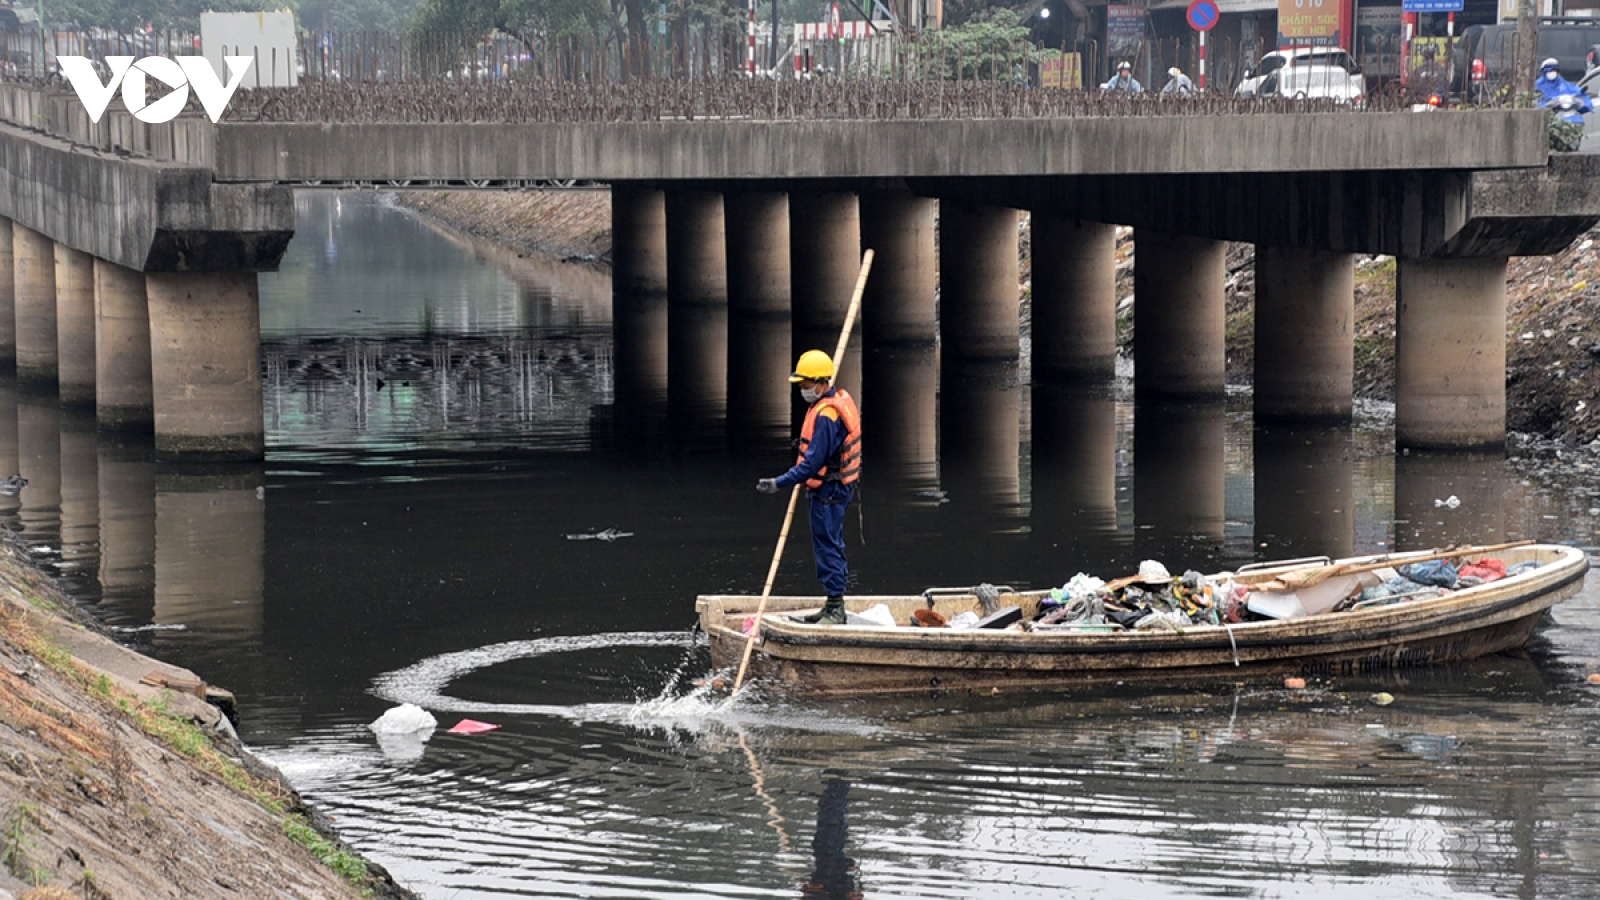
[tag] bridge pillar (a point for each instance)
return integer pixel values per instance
(824, 260)
(979, 283)
(8, 298)
(1450, 353)
(205, 360)
(1179, 316)
(697, 304)
(1305, 334)
(34, 258)
(638, 240)
(1074, 297)
(74, 326)
(899, 303)
(639, 298)
(123, 391)
(758, 252)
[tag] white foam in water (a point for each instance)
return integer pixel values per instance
(424, 684)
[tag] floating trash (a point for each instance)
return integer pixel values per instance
(1450, 502)
(609, 535)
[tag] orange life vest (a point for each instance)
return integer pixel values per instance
(845, 465)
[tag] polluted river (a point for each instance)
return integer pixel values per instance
(477, 498)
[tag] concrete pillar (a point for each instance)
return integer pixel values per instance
(1488, 504)
(1450, 353)
(1074, 298)
(1305, 334)
(80, 494)
(979, 283)
(8, 298)
(75, 362)
(903, 418)
(900, 303)
(123, 390)
(1304, 491)
(824, 261)
(1179, 316)
(638, 240)
(210, 553)
(697, 305)
(34, 259)
(1179, 477)
(126, 478)
(757, 234)
(980, 424)
(1074, 429)
(205, 357)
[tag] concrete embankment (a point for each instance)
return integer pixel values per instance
(119, 779)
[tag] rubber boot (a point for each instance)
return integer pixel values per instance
(831, 613)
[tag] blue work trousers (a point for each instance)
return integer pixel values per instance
(828, 505)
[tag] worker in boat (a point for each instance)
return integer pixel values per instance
(829, 466)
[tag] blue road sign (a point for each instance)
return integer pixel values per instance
(1430, 6)
(1203, 14)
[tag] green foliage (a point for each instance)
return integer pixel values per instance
(15, 841)
(127, 15)
(357, 15)
(346, 864)
(556, 17)
(993, 45)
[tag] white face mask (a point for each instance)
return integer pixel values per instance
(810, 395)
(1551, 75)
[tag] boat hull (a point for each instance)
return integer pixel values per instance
(1469, 623)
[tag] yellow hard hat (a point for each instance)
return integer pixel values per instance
(814, 365)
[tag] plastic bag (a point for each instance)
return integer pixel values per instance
(1436, 572)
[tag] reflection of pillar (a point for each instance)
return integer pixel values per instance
(210, 548)
(824, 259)
(39, 461)
(758, 253)
(80, 492)
(979, 283)
(1304, 492)
(205, 357)
(8, 298)
(75, 325)
(127, 482)
(1074, 297)
(899, 305)
(122, 348)
(1179, 316)
(34, 259)
(758, 378)
(1179, 481)
(1075, 456)
(1305, 334)
(1450, 353)
(9, 459)
(1487, 501)
(980, 414)
(900, 428)
(697, 304)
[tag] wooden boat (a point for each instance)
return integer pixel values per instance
(853, 659)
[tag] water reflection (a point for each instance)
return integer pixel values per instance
(1307, 507)
(1179, 479)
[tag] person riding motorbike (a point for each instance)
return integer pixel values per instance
(1567, 104)
(1429, 83)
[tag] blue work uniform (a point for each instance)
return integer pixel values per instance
(828, 502)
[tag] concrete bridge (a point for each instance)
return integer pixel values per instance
(135, 248)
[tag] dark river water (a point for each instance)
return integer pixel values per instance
(447, 424)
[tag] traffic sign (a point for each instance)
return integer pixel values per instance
(1203, 15)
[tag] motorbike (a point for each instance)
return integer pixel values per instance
(1566, 120)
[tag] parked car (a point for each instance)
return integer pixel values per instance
(1323, 81)
(1485, 54)
(1315, 81)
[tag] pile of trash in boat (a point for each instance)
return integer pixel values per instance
(1154, 599)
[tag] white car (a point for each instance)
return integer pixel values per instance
(1345, 84)
(1310, 82)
